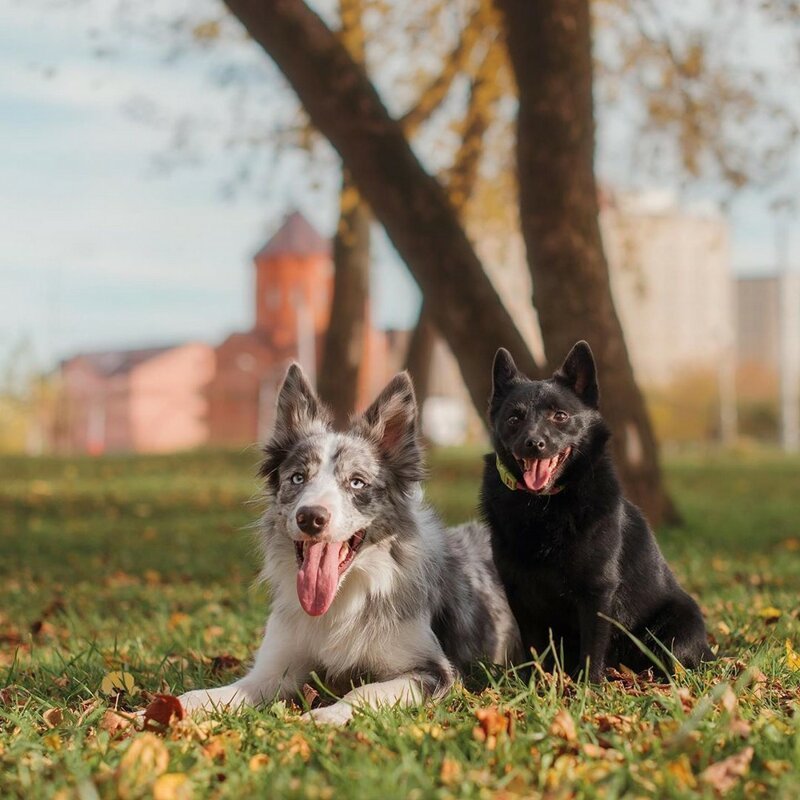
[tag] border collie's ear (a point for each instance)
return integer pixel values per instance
(504, 374)
(298, 404)
(392, 423)
(579, 373)
(297, 410)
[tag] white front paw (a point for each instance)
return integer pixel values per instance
(338, 714)
(196, 700)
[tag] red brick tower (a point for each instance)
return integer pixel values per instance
(294, 284)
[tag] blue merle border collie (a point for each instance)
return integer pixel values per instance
(369, 590)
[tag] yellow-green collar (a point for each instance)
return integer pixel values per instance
(510, 482)
(505, 475)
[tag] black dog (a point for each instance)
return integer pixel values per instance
(569, 548)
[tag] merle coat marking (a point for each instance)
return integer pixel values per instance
(577, 549)
(415, 605)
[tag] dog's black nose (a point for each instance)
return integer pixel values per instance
(313, 519)
(537, 444)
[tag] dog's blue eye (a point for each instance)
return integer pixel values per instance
(357, 483)
(298, 478)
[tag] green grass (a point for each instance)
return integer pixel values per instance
(145, 565)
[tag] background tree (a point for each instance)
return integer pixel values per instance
(689, 93)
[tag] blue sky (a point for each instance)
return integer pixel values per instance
(99, 250)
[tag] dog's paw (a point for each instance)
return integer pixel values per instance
(338, 714)
(196, 700)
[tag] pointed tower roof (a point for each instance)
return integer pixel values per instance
(297, 237)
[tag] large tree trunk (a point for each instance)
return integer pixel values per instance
(460, 182)
(343, 352)
(338, 381)
(550, 47)
(419, 357)
(410, 204)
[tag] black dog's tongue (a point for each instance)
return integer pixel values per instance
(538, 472)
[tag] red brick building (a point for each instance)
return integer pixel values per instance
(293, 289)
(172, 398)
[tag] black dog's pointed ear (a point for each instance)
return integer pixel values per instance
(298, 410)
(391, 422)
(504, 374)
(579, 373)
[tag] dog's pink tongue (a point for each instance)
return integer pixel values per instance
(318, 577)
(538, 473)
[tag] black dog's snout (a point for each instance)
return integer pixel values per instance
(535, 444)
(313, 519)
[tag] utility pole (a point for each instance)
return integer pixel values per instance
(790, 360)
(788, 341)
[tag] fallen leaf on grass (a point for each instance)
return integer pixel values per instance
(310, 694)
(258, 762)
(450, 771)
(613, 722)
(792, 657)
(725, 774)
(114, 724)
(216, 747)
(163, 711)
(172, 786)
(297, 746)
(681, 772)
(492, 724)
(118, 681)
(53, 717)
(145, 759)
(177, 620)
(770, 614)
(603, 753)
(563, 726)
(223, 663)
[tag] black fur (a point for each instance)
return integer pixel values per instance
(569, 558)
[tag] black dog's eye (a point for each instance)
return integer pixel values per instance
(560, 416)
(513, 420)
(298, 478)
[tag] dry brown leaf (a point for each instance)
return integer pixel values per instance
(563, 726)
(613, 722)
(296, 747)
(740, 728)
(492, 723)
(163, 711)
(310, 695)
(450, 771)
(53, 717)
(729, 701)
(224, 663)
(258, 762)
(173, 786)
(681, 771)
(216, 747)
(114, 724)
(605, 753)
(145, 759)
(725, 774)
